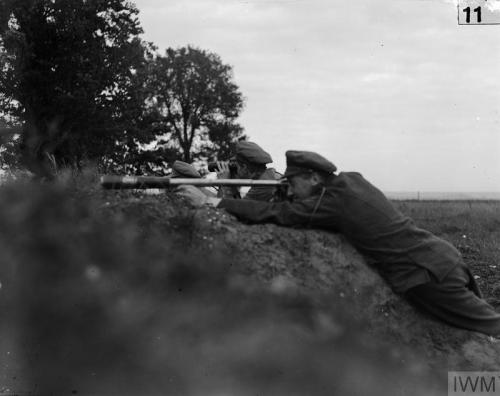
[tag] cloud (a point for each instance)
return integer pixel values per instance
(345, 78)
(493, 5)
(375, 77)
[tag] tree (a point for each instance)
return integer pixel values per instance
(194, 92)
(67, 71)
(223, 137)
(9, 146)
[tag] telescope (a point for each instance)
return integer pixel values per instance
(145, 182)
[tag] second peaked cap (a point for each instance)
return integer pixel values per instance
(251, 152)
(182, 169)
(306, 161)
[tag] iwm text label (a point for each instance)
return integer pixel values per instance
(474, 383)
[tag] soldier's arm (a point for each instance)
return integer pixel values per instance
(315, 211)
(264, 194)
(299, 213)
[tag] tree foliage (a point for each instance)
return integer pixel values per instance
(78, 84)
(9, 147)
(195, 94)
(66, 74)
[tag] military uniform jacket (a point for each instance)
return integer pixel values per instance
(262, 193)
(352, 206)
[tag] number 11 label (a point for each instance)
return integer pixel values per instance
(478, 12)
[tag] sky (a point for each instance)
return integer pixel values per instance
(395, 90)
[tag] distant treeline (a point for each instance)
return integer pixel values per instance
(430, 195)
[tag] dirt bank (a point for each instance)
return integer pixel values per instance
(123, 293)
(318, 262)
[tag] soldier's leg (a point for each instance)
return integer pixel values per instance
(456, 301)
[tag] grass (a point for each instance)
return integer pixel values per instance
(471, 226)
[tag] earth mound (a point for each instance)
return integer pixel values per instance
(319, 263)
(124, 293)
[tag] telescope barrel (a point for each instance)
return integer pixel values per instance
(144, 182)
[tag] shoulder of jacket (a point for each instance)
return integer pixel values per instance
(271, 174)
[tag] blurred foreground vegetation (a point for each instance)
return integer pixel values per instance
(103, 293)
(109, 292)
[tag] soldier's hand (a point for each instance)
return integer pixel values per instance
(195, 196)
(223, 171)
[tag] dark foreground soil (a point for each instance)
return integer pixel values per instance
(124, 293)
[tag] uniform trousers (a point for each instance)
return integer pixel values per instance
(457, 301)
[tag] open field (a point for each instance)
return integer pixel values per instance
(107, 292)
(472, 226)
(443, 196)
